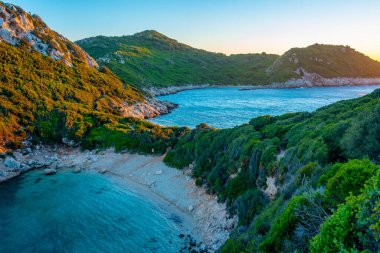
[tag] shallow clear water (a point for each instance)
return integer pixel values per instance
(228, 107)
(84, 212)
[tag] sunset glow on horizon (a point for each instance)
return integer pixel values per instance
(230, 27)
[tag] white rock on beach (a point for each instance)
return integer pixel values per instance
(11, 163)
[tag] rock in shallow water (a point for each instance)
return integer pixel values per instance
(49, 172)
(102, 171)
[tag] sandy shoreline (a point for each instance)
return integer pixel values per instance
(173, 191)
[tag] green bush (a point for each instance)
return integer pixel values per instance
(348, 178)
(355, 226)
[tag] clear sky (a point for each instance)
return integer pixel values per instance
(228, 26)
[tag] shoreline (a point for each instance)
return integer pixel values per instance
(290, 84)
(173, 191)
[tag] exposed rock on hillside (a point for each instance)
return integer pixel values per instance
(323, 61)
(20, 28)
(148, 109)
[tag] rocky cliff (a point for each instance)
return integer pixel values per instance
(18, 27)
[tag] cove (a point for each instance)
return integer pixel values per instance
(84, 212)
(228, 107)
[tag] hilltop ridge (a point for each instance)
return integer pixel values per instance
(328, 61)
(151, 59)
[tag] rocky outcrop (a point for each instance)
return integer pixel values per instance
(18, 27)
(28, 158)
(155, 91)
(148, 109)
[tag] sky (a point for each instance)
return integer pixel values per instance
(227, 26)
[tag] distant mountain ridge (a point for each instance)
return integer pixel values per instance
(151, 59)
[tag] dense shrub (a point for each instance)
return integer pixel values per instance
(355, 226)
(308, 154)
(348, 178)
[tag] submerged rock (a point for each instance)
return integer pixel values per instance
(49, 172)
(102, 171)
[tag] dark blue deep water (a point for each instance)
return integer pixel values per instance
(228, 107)
(82, 213)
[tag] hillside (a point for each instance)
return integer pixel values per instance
(30, 32)
(50, 98)
(299, 182)
(325, 60)
(151, 59)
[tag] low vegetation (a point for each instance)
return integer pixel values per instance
(151, 59)
(50, 101)
(324, 166)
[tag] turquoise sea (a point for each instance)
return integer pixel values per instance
(85, 212)
(228, 107)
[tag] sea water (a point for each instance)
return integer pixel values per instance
(228, 107)
(84, 212)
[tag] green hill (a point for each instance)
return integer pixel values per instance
(152, 59)
(50, 98)
(298, 182)
(325, 60)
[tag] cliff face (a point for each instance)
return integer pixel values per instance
(18, 27)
